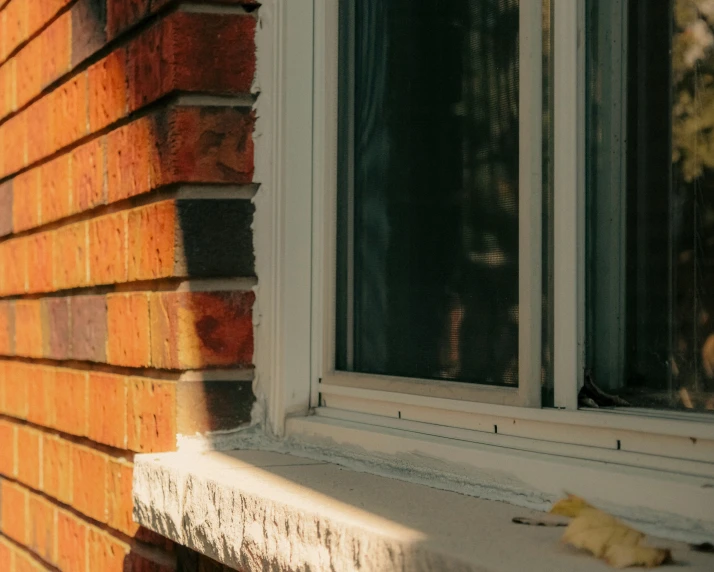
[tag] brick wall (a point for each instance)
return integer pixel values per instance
(126, 262)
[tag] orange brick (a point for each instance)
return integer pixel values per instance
(29, 72)
(107, 90)
(15, 18)
(132, 160)
(40, 262)
(89, 482)
(107, 402)
(28, 328)
(107, 249)
(190, 330)
(29, 457)
(16, 389)
(152, 241)
(7, 88)
(39, 128)
(42, 12)
(13, 257)
(7, 450)
(128, 326)
(24, 562)
(56, 468)
(55, 49)
(43, 528)
(7, 555)
(119, 497)
(7, 328)
(71, 399)
(56, 189)
(41, 406)
(70, 256)
(151, 415)
(13, 511)
(107, 553)
(70, 111)
(71, 542)
(14, 143)
(26, 201)
(88, 188)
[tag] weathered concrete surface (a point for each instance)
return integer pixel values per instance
(255, 510)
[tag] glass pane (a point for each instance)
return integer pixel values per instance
(428, 195)
(651, 201)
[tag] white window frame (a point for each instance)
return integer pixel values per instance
(295, 238)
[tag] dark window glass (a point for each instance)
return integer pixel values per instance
(651, 201)
(428, 189)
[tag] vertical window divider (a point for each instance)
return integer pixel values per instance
(569, 201)
(530, 202)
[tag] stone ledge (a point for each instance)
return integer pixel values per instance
(255, 510)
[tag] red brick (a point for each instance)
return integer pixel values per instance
(152, 234)
(148, 69)
(88, 176)
(15, 19)
(89, 482)
(55, 49)
(211, 52)
(29, 457)
(107, 249)
(107, 403)
(88, 319)
(70, 256)
(43, 528)
(13, 511)
(41, 396)
(40, 262)
(38, 129)
(119, 497)
(56, 468)
(7, 328)
(107, 90)
(214, 145)
(71, 399)
(107, 553)
(26, 201)
(29, 72)
(28, 328)
(13, 266)
(121, 14)
(7, 451)
(71, 542)
(132, 160)
(151, 415)
(191, 330)
(16, 389)
(70, 111)
(88, 29)
(7, 555)
(128, 325)
(55, 328)
(14, 143)
(56, 189)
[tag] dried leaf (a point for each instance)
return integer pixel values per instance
(620, 556)
(570, 506)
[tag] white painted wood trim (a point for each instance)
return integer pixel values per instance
(569, 200)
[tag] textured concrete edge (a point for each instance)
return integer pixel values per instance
(249, 531)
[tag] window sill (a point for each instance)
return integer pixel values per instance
(259, 510)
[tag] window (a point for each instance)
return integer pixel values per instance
(512, 212)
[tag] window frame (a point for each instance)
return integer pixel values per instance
(298, 109)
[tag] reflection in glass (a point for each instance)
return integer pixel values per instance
(651, 201)
(428, 195)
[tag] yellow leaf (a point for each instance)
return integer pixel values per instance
(620, 556)
(595, 531)
(570, 506)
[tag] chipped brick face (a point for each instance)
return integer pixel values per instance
(106, 294)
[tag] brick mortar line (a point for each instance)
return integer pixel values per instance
(171, 191)
(165, 102)
(150, 551)
(17, 49)
(216, 374)
(116, 454)
(36, 557)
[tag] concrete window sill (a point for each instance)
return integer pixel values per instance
(255, 510)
